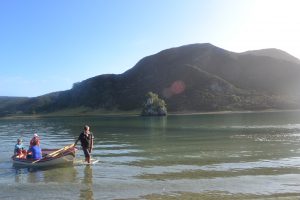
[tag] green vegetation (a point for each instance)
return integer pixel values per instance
(211, 79)
(154, 106)
(9, 105)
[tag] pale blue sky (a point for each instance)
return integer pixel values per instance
(48, 45)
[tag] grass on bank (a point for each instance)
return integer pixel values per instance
(73, 112)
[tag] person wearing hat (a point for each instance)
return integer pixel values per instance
(34, 140)
(35, 151)
(87, 140)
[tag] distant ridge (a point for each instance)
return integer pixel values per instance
(190, 78)
(274, 53)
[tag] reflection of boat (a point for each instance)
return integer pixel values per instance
(51, 157)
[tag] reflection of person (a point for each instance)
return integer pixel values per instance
(87, 192)
(87, 141)
(35, 150)
(20, 174)
(35, 139)
(19, 149)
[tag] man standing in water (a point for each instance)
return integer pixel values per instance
(87, 141)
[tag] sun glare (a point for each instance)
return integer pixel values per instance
(270, 24)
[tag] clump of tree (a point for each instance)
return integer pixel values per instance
(153, 105)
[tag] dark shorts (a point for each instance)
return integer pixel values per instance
(86, 152)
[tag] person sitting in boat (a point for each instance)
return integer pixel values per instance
(35, 151)
(35, 139)
(20, 151)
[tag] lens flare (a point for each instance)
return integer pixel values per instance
(177, 87)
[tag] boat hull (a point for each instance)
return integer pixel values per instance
(64, 158)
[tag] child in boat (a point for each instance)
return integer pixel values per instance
(35, 152)
(20, 151)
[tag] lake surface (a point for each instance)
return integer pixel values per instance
(213, 156)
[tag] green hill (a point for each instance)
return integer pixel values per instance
(190, 78)
(9, 104)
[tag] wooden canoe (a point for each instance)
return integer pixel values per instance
(64, 157)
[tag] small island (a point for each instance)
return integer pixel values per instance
(154, 106)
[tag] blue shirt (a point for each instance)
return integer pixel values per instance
(36, 152)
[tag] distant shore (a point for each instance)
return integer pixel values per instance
(131, 113)
(233, 112)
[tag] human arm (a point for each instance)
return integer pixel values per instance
(15, 150)
(76, 141)
(29, 151)
(91, 143)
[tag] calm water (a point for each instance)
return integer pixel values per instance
(221, 156)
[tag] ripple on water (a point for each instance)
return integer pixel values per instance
(168, 161)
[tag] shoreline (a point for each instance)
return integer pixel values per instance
(235, 112)
(136, 114)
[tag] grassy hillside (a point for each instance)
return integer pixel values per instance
(191, 78)
(10, 104)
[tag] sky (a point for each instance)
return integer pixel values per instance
(47, 46)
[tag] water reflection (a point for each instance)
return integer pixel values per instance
(20, 175)
(61, 175)
(87, 191)
(28, 175)
(155, 123)
(34, 175)
(246, 156)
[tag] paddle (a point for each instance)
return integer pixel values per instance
(59, 150)
(55, 153)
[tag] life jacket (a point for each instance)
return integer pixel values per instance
(21, 153)
(86, 139)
